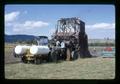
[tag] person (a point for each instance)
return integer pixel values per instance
(58, 43)
(72, 49)
(62, 44)
(56, 49)
(94, 49)
(63, 50)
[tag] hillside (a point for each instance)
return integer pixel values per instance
(15, 38)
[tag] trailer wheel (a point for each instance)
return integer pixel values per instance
(38, 60)
(23, 58)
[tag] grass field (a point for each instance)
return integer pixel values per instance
(87, 68)
(9, 58)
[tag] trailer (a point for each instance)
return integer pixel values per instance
(34, 53)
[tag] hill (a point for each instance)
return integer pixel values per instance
(15, 38)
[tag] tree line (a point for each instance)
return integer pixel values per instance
(90, 44)
(101, 44)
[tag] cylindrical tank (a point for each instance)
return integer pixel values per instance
(21, 49)
(35, 50)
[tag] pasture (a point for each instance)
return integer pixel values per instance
(87, 68)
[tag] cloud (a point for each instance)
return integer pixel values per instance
(16, 29)
(28, 25)
(16, 26)
(101, 26)
(34, 24)
(11, 16)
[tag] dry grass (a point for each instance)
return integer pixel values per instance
(88, 68)
(9, 54)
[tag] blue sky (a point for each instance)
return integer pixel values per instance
(41, 19)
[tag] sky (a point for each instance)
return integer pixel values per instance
(41, 19)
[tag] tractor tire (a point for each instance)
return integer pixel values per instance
(54, 56)
(23, 59)
(38, 61)
(68, 55)
(75, 55)
(49, 58)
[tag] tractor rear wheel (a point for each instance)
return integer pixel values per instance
(75, 55)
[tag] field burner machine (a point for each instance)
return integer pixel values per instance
(72, 32)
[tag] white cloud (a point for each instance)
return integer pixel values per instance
(28, 25)
(101, 26)
(11, 22)
(11, 16)
(34, 24)
(16, 30)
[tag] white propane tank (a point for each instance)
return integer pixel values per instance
(35, 50)
(21, 49)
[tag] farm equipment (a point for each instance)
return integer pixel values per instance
(35, 53)
(108, 52)
(72, 32)
(68, 43)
